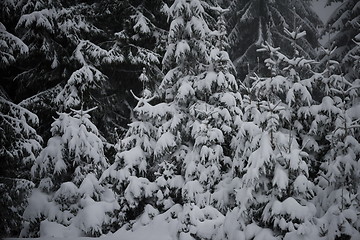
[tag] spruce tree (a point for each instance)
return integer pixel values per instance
(201, 98)
(273, 184)
(67, 170)
(19, 147)
(137, 39)
(11, 47)
(129, 175)
(185, 138)
(52, 31)
(336, 125)
(253, 22)
(66, 174)
(344, 25)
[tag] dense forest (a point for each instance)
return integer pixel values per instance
(228, 118)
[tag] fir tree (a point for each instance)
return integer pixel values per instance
(273, 185)
(129, 174)
(137, 39)
(52, 31)
(344, 23)
(66, 174)
(253, 22)
(11, 47)
(337, 128)
(67, 170)
(201, 98)
(20, 145)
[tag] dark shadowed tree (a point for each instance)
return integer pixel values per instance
(250, 23)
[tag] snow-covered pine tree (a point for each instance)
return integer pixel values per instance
(338, 189)
(52, 30)
(19, 146)
(133, 166)
(322, 119)
(66, 173)
(201, 104)
(141, 37)
(344, 25)
(89, 86)
(337, 126)
(272, 179)
(250, 23)
(78, 91)
(10, 47)
(137, 38)
(67, 170)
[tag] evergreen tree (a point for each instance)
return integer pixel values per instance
(344, 24)
(273, 184)
(78, 91)
(67, 170)
(52, 31)
(253, 22)
(11, 47)
(57, 33)
(129, 174)
(137, 39)
(201, 104)
(19, 141)
(139, 34)
(66, 174)
(337, 187)
(337, 129)
(185, 137)
(281, 161)
(19, 146)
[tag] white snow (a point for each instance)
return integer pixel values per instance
(91, 218)
(141, 23)
(133, 157)
(40, 18)
(294, 209)
(191, 191)
(39, 205)
(166, 141)
(52, 230)
(281, 177)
